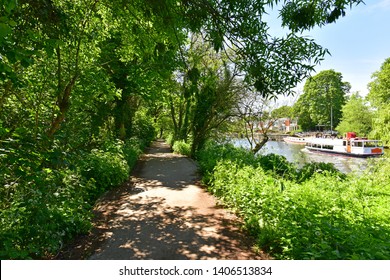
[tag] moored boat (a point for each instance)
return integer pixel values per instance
(350, 145)
(296, 140)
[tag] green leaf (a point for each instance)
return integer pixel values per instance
(10, 5)
(5, 30)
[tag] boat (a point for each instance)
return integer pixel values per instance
(349, 145)
(296, 140)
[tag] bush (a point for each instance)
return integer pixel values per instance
(46, 210)
(132, 149)
(209, 156)
(278, 165)
(320, 216)
(181, 147)
(310, 169)
(143, 128)
(46, 197)
(170, 140)
(108, 169)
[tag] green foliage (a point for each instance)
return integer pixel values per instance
(278, 165)
(311, 169)
(107, 168)
(41, 208)
(273, 65)
(320, 215)
(170, 139)
(379, 88)
(143, 128)
(322, 100)
(47, 196)
(205, 98)
(380, 125)
(283, 112)
(132, 149)
(357, 117)
(379, 97)
(181, 147)
(300, 15)
(212, 153)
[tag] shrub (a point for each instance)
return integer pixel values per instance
(212, 153)
(46, 197)
(108, 169)
(181, 147)
(143, 128)
(45, 211)
(132, 149)
(278, 165)
(320, 216)
(170, 140)
(310, 169)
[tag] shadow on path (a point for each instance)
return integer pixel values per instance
(163, 214)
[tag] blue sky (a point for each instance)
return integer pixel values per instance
(359, 43)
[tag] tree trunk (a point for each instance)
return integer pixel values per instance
(63, 105)
(260, 145)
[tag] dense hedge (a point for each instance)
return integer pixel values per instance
(48, 196)
(312, 213)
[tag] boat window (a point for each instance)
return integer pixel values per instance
(344, 143)
(370, 144)
(328, 147)
(358, 144)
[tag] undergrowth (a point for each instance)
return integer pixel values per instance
(47, 195)
(315, 212)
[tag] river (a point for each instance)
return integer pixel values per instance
(299, 155)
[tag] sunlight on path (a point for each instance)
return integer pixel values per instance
(168, 216)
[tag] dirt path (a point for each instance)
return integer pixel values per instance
(163, 214)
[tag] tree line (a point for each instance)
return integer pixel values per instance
(72, 69)
(327, 104)
(85, 85)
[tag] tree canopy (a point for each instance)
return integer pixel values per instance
(379, 97)
(321, 102)
(379, 88)
(356, 116)
(84, 85)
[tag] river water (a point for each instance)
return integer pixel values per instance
(299, 155)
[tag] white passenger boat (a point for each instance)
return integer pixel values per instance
(296, 140)
(350, 145)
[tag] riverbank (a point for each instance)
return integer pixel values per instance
(311, 213)
(298, 155)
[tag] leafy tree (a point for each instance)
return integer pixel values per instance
(379, 97)
(379, 88)
(76, 75)
(381, 128)
(322, 100)
(255, 117)
(273, 65)
(206, 95)
(356, 116)
(63, 36)
(283, 112)
(214, 104)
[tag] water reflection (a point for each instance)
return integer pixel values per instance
(299, 155)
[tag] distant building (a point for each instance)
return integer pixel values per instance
(281, 125)
(285, 125)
